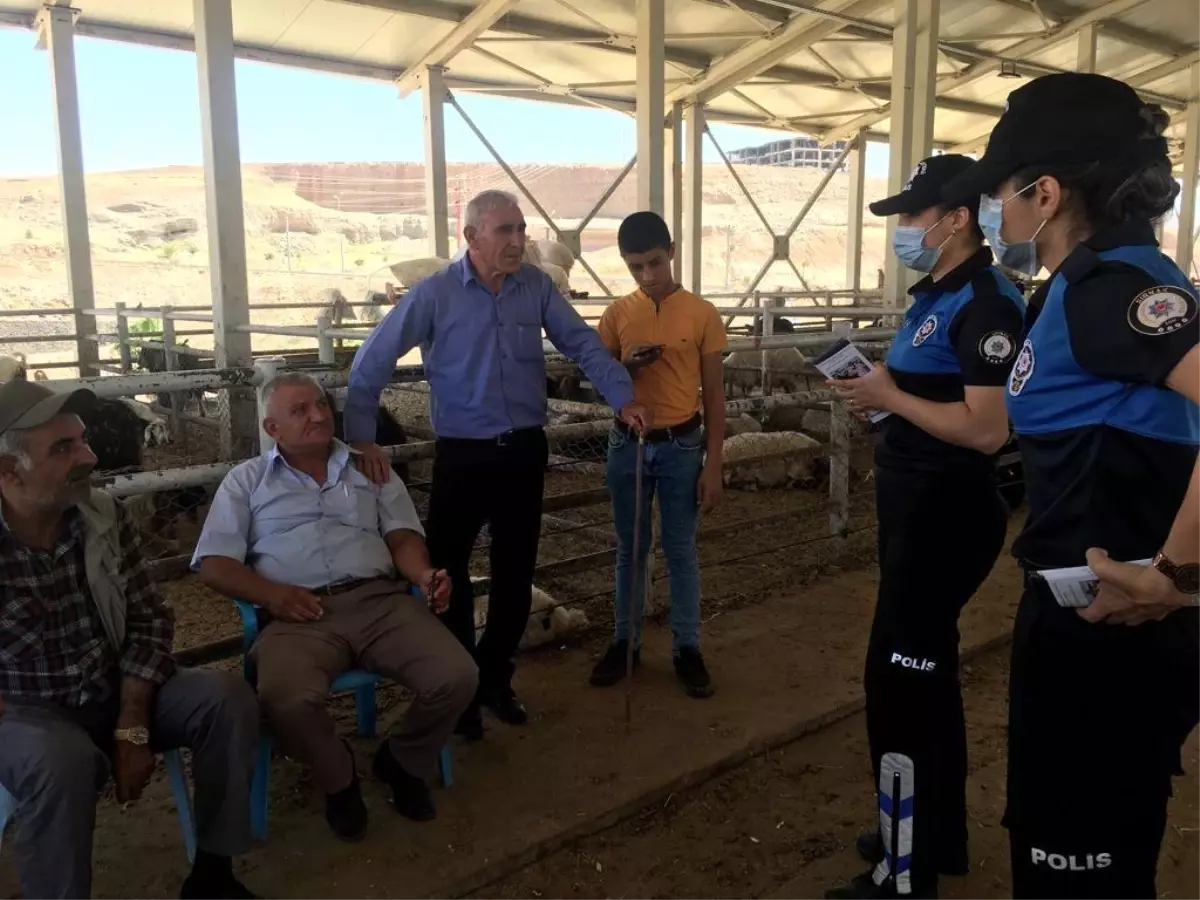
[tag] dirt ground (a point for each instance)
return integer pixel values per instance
(680, 805)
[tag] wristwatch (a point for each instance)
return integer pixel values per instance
(139, 735)
(1186, 576)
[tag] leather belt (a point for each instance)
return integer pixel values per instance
(342, 587)
(658, 435)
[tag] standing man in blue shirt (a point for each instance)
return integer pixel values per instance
(479, 325)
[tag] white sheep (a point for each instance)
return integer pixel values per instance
(547, 620)
(336, 306)
(12, 367)
(741, 424)
(788, 366)
(412, 272)
(156, 434)
(39, 375)
(557, 254)
(747, 473)
(813, 422)
(559, 276)
(532, 253)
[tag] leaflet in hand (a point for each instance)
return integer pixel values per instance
(1075, 586)
(844, 360)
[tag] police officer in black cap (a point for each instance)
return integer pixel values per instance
(1103, 397)
(942, 525)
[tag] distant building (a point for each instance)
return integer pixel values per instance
(794, 152)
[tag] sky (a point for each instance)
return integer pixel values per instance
(139, 108)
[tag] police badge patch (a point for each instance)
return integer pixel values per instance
(997, 347)
(928, 327)
(1161, 310)
(1019, 376)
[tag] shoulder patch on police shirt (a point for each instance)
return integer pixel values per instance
(928, 327)
(1161, 310)
(1023, 369)
(997, 347)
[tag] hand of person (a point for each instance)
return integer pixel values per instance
(370, 459)
(711, 488)
(867, 393)
(636, 417)
(1130, 594)
(133, 764)
(642, 354)
(435, 585)
(294, 604)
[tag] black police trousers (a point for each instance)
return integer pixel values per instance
(500, 483)
(939, 536)
(1097, 716)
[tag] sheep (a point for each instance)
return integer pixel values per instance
(560, 278)
(747, 473)
(154, 359)
(12, 367)
(336, 306)
(547, 620)
(788, 367)
(813, 422)
(412, 272)
(156, 433)
(557, 254)
(741, 424)
(39, 375)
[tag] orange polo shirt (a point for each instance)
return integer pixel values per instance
(689, 327)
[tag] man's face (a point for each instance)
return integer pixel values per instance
(652, 271)
(60, 463)
(499, 242)
(299, 418)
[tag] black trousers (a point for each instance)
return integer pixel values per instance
(939, 536)
(1097, 716)
(499, 482)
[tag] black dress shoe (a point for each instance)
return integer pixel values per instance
(864, 887)
(222, 887)
(869, 845)
(506, 707)
(410, 794)
(611, 667)
(346, 813)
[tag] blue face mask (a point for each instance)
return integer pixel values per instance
(908, 243)
(1020, 256)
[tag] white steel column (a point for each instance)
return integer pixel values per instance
(1086, 59)
(437, 204)
(854, 213)
(226, 222)
(651, 103)
(693, 200)
(674, 191)
(56, 26)
(914, 85)
(1187, 199)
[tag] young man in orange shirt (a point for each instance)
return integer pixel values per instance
(671, 342)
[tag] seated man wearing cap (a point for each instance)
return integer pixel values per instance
(301, 533)
(87, 682)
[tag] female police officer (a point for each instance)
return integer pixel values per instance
(1103, 399)
(941, 525)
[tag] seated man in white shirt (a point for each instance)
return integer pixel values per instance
(329, 557)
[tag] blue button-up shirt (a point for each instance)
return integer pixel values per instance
(289, 529)
(482, 353)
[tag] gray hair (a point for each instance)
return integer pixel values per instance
(486, 202)
(14, 443)
(287, 379)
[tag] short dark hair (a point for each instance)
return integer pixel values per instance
(642, 232)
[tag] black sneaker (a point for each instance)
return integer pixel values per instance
(223, 887)
(611, 667)
(410, 794)
(689, 667)
(505, 706)
(470, 724)
(344, 810)
(869, 845)
(863, 887)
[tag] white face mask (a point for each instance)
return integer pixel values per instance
(1020, 256)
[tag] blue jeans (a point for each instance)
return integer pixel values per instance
(672, 469)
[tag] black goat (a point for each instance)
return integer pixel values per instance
(154, 359)
(778, 326)
(388, 432)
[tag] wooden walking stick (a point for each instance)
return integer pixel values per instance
(633, 579)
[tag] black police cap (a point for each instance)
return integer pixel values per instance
(924, 188)
(1062, 119)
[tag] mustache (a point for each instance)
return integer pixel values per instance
(79, 473)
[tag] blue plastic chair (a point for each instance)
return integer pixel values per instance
(360, 682)
(173, 762)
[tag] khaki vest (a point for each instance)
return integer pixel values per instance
(102, 563)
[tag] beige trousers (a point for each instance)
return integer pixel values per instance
(383, 629)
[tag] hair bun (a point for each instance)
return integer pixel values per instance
(1154, 119)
